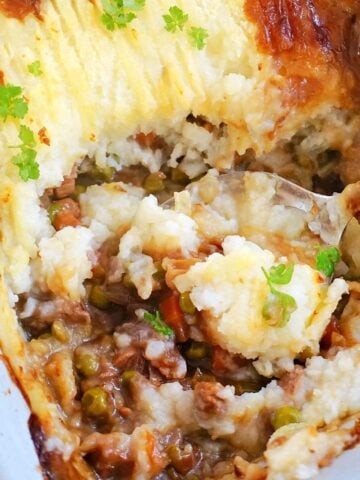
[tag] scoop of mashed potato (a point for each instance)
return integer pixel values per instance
(155, 232)
(231, 290)
(65, 261)
(109, 207)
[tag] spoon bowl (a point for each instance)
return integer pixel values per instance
(329, 215)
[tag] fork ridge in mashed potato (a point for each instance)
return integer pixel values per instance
(142, 319)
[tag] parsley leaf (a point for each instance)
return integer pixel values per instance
(326, 260)
(119, 13)
(28, 166)
(26, 159)
(279, 306)
(175, 19)
(158, 324)
(197, 36)
(134, 4)
(35, 68)
(281, 274)
(12, 103)
(27, 136)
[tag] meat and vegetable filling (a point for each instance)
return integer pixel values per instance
(160, 353)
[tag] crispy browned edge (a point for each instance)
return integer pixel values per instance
(20, 8)
(315, 45)
(38, 437)
(53, 467)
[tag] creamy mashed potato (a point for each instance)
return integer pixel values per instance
(109, 207)
(157, 232)
(231, 290)
(304, 451)
(65, 261)
(162, 232)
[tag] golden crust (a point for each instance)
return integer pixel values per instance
(314, 44)
(20, 8)
(141, 78)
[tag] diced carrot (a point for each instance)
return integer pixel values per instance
(65, 219)
(156, 461)
(145, 140)
(66, 213)
(172, 315)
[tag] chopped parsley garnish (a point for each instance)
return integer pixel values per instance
(158, 324)
(12, 102)
(279, 306)
(198, 36)
(281, 274)
(326, 260)
(175, 19)
(35, 68)
(119, 13)
(26, 159)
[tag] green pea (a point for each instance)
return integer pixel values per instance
(105, 174)
(59, 331)
(286, 415)
(159, 275)
(127, 377)
(175, 455)
(45, 336)
(179, 176)
(246, 387)
(95, 402)
(186, 304)
(154, 182)
(53, 210)
(197, 351)
(183, 461)
(108, 173)
(87, 364)
(79, 189)
(98, 298)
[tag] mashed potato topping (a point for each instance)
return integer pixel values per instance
(157, 232)
(109, 207)
(163, 232)
(231, 290)
(65, 261)
(305, 451)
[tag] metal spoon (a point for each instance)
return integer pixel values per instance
(329, 214)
